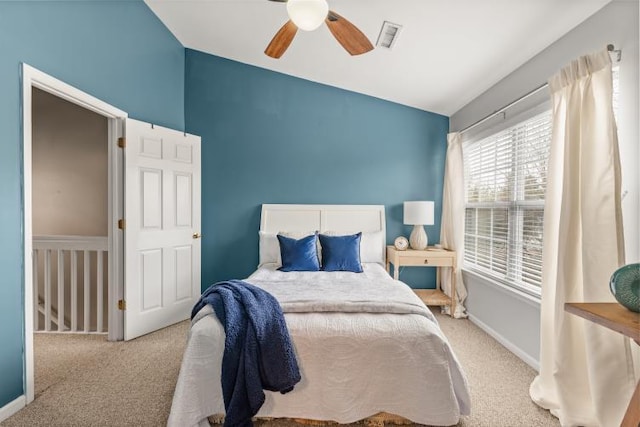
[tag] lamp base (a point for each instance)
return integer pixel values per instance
(418, 239)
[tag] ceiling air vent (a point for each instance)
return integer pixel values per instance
(388, 35)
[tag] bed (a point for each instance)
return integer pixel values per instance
(389, 357)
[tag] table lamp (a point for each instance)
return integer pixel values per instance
(418, 214)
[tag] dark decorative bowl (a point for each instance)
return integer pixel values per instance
(625, 286)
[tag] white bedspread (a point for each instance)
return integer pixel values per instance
(354, 364)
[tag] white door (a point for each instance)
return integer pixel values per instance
(162, 227)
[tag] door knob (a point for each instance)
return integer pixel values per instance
(197, 235)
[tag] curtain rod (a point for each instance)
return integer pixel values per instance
(503, 109)
(611, 48)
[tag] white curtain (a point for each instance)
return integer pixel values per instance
(586, 372)
(452, 223)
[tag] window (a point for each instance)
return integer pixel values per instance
(505, 179)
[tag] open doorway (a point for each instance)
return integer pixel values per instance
(57, 209)
(70, 216)
(70, 235)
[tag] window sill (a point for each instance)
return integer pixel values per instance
(533, 300)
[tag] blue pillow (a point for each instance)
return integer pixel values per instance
(299, 255)
(341, 253)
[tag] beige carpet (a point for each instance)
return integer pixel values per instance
(83, 380)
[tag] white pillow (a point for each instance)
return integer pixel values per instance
(270, 247)
(371, 245)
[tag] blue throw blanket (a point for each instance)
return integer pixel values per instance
(258, 353)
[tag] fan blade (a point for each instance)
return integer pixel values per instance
(347, 34)
(281, 40)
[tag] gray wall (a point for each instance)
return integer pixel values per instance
(69, 168)
(69, 190)
(510, 318)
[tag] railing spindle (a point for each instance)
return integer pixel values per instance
(99, 290)
(74, 291)
(47, 290)
(60, 290)
(87, 291)
(36, 313)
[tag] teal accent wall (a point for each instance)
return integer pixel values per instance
(117, 51)
(272, 138)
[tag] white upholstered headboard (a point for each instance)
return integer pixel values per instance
(345, 219)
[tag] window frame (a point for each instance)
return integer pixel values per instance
(515, 209)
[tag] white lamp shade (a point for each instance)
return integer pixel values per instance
(418, 213)
(307, 14)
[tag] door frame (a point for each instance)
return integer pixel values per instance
(32, 77)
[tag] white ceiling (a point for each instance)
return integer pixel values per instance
(449, 51)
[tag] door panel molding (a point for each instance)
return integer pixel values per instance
(162, 210)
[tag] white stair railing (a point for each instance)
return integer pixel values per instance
(62, 309)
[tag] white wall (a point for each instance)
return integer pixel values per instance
(514, 320)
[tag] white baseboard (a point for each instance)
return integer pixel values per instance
(12, 407)
(506, 343)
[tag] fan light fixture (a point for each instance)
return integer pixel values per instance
(307, 14)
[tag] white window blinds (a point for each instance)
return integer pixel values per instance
(506, 177)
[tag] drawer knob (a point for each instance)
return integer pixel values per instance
(426, 261)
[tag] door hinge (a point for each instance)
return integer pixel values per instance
(122, 142)
(122, 304)
(121, 224)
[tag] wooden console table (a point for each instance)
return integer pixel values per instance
(615, 317)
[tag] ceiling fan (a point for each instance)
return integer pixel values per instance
(308, 15)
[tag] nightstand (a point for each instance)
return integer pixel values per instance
(429, 257)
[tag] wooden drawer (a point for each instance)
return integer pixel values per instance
(425, 261)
